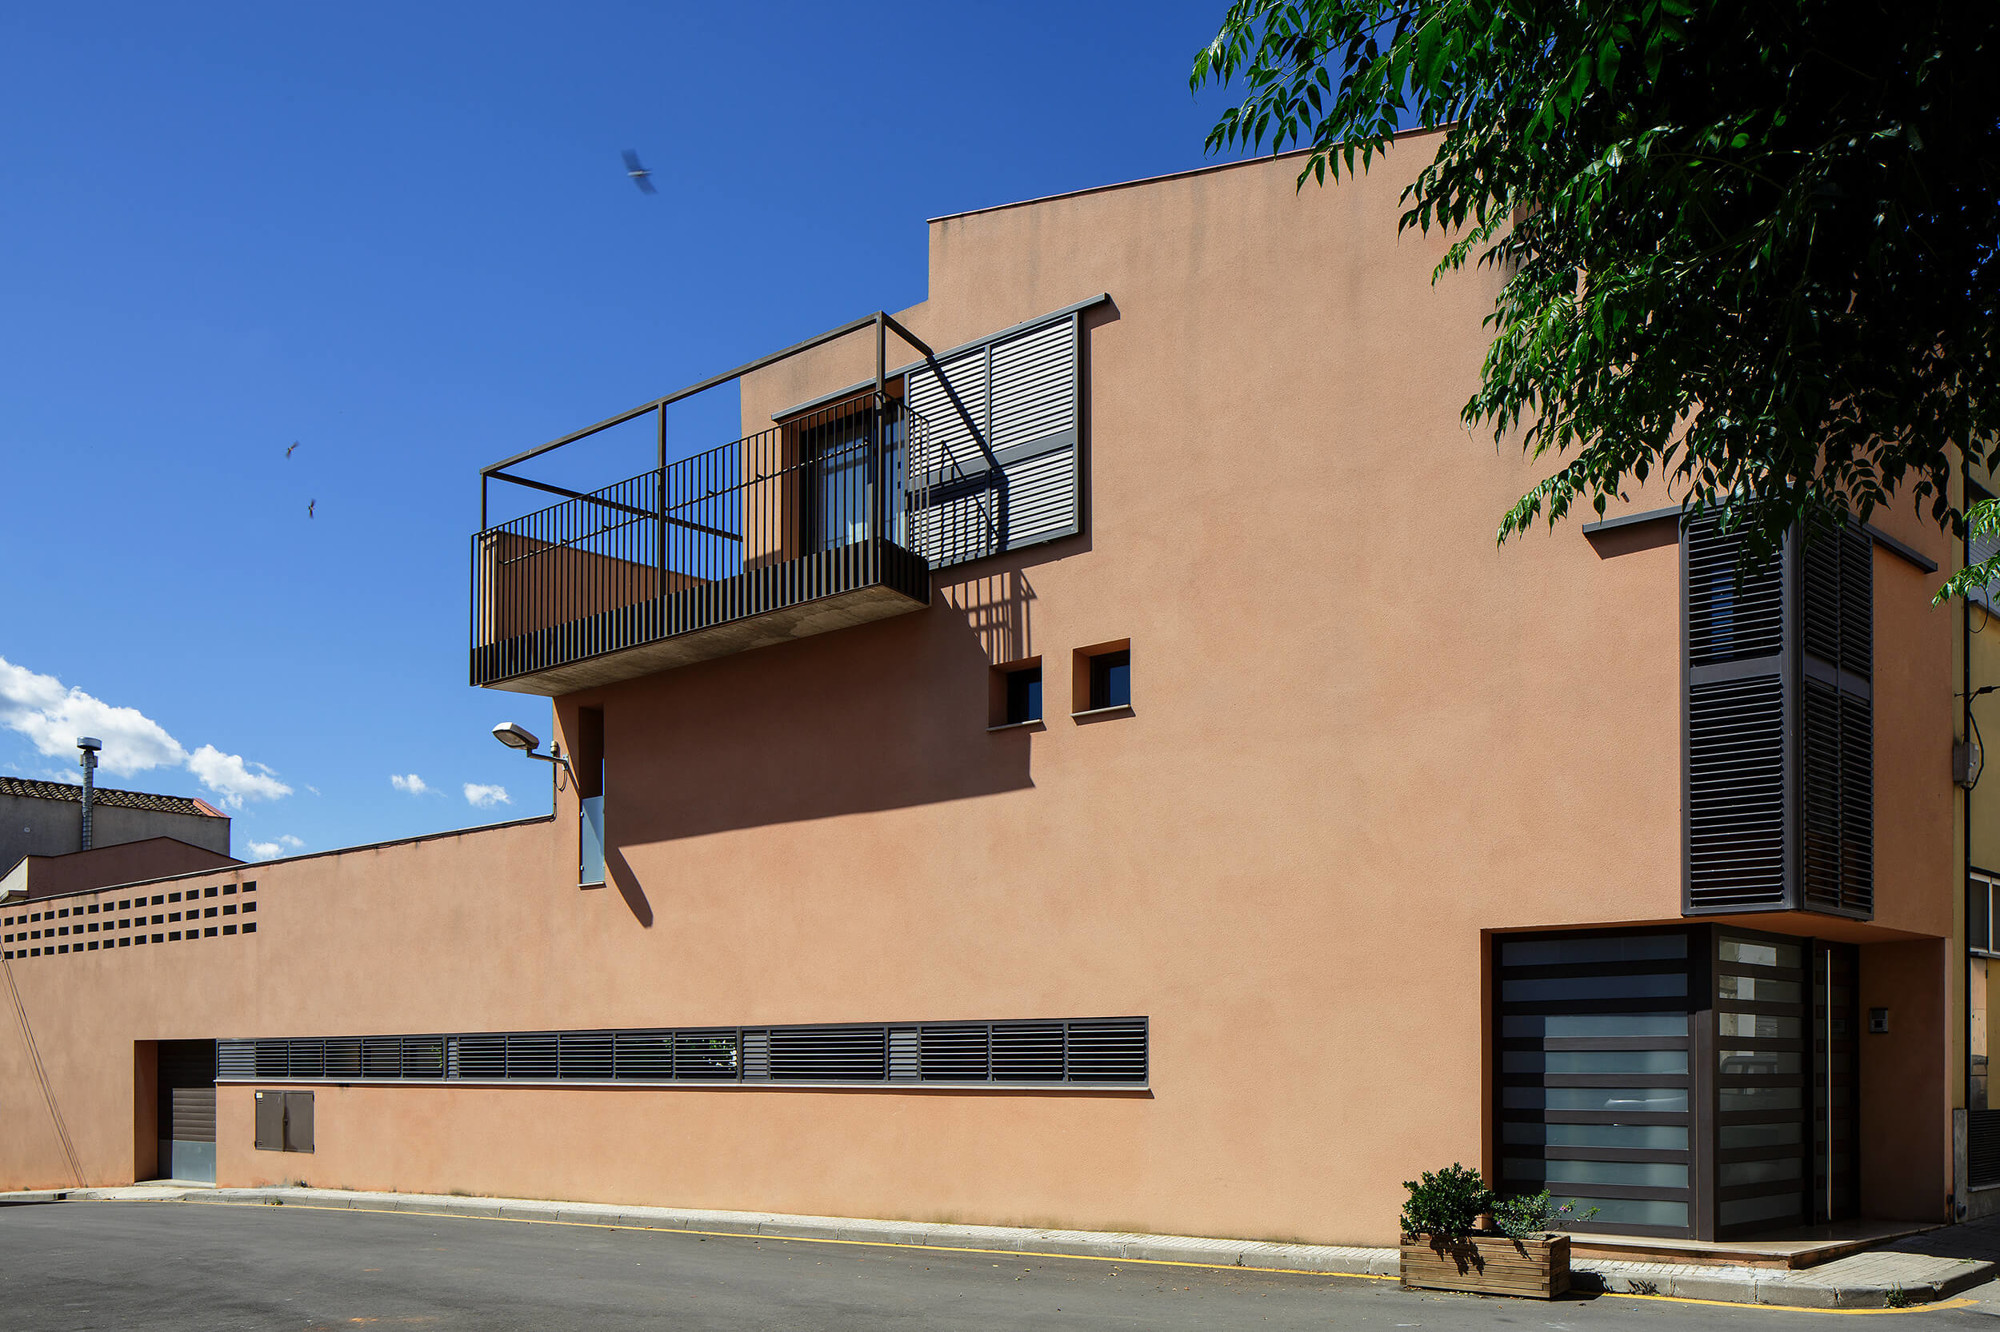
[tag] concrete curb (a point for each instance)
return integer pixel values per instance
(1862, 1281)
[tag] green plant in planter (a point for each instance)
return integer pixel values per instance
(1446, 1204)
(1533, 1215)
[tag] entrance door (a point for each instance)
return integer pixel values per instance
(187, 1110)
(1835, 1019)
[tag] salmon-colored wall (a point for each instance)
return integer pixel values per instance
(1362, 739)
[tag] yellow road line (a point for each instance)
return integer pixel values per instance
(1073, 1257)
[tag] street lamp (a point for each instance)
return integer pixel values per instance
(519, 737)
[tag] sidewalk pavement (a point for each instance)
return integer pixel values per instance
(1914, 1270)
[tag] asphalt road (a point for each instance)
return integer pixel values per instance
(185, 1267)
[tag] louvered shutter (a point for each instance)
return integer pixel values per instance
(996, 460)
(1737, 853)
(1837, 757)
(1779, 724)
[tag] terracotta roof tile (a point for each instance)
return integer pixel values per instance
(109, 797)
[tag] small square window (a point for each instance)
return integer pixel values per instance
(92, 945)
(125, 941)
(250, 887)
(208, 911)
(159, 920)
(91, 910)
(63, 914)
(250, 928)
(228, 890)
(249, 907)
(158, 900)
(208, 933)
(229, 910)
(229, 929)
(174, 936)
(173, 917)
(173, 897)
(1024, 694)
(1111, 680)
(210, 892)
(124, 906)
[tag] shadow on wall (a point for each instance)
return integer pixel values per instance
(881, 716)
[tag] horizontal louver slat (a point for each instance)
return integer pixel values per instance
(1736, 793)
(1735, 610)
(1083, 1050)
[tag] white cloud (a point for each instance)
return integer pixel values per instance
(269, 850)
(52, 717)
(485, 797)
(231, 778)
(410, 782)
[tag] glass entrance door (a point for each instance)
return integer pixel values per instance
(1835, 1023)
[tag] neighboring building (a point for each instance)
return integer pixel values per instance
(46, 819)
(1128, 789)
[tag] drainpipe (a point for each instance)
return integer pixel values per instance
(89, 745)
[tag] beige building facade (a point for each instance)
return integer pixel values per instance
(1109, 778)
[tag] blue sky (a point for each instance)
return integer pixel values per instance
(401, 236)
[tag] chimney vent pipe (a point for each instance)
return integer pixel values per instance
(89, 745)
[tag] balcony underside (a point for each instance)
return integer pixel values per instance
(815, 594)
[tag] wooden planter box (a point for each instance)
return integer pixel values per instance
(1488, 1265)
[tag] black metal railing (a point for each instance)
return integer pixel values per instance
(830, 502)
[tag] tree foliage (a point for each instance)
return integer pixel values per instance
(1749, 245)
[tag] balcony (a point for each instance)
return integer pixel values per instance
(810, 526)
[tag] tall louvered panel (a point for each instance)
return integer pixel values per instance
(1736, 795)
(1000, 449)
(1735, 610)
(1779, 724)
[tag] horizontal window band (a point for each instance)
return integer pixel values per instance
(1659, 966)
(1614, 1044)
(1615, 1006)
(1762, 1189)
(1530, 1151)
(690, 1084)
(1669, 1081)
(1642, 1118)
(1563, 1190)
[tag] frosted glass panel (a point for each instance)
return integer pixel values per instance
(1637, 1100)
(1757, 989)
(1757, 1024)
(1595, 987)
(1594, 1061)
(1782, 1206)
(1753, 1063)
(1756, 954)
(1562, 1174)
(1732, 1136)
(1569, 1025)
(1632, 1212)
(1741, 1100)
(1555, 952)
(1648, 1137)
(1731, 1173)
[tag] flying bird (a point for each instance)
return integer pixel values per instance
(288, 452)
(640, 176)
(310, 506)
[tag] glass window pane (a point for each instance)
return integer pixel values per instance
(1595, 987)
(1731, 1173)
(1552, 952)
(1730, 1136)
(1647, 1137)
(1636, 1100)
(1757, 989)
(1594, 1061)
(1567, 1025)
(1739, 1100)
(1757, 954)
(1631, 1212)
(1752, 1063)
(1779, 1207)
(1758, 1024)
(1637, 1174)
(1979, 913)
(1978, 1034)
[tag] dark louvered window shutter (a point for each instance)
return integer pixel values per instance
(1737, 795)
(1837, 763)
(1779, 724)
